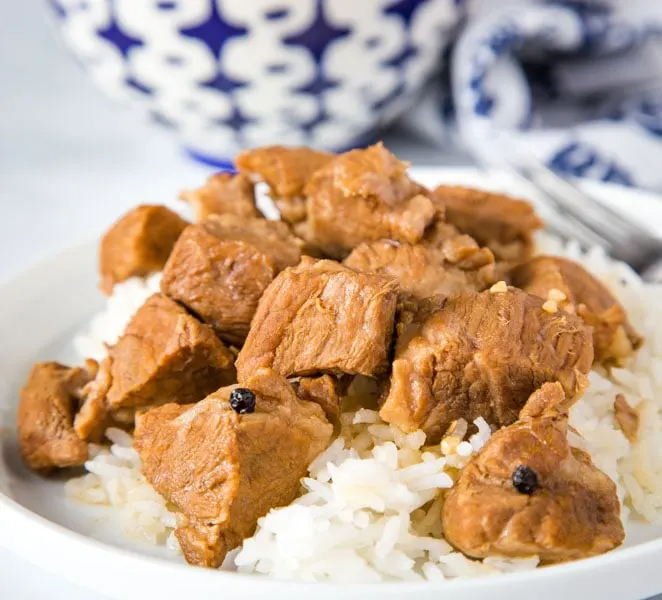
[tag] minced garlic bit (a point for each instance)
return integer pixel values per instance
(550, 306)
(556, 295)
(458, 429)
(449, 445)
(499, 287)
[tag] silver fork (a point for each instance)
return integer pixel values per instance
(591, 222)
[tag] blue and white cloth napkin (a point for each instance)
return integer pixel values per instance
(576, 85)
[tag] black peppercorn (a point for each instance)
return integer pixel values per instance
(525, 480)
(242, 400)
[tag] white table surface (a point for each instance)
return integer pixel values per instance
(70, 162)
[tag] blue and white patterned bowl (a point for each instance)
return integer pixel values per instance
(229, 74)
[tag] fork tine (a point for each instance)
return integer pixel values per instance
(622, 238)
(566, 223)
(570, 201)
(566, 226)
(608, 223)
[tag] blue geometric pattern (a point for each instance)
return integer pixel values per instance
(513, 73)
(580, 160)
(224, 74)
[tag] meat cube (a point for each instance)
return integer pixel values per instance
(529, 493)
(363, 196)
(422, 271)
(271, 238)
(323, 390)
(335, 203)
(220, 268)
(223, 470)
(286, 171)
(138, 244)
(165, 355)
(46, 410)
(481, 355)
(439, 230)
(321, 317)
(503, 224)
(573, 289)
(224, 193)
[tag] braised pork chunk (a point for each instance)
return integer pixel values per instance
(286, 171)
(220, 268)
(362, 196)
(371, 294)
(224, 193)
(528, 493)
(138, 244)
(46, 435)
(574, 289)
(505, 225)
(272, 238)
(323, 390)
(165, 355)
(321, 317)
(422, 271)
(481, 355)
(220, 281)
(337, 202)
(223, 470)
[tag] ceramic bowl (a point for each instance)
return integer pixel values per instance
(224, 75)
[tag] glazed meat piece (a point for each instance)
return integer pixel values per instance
(138, 244)
(323, 390)
(220, 268)
(481, 355)
(222, 467)
(439, 231)
(424, 272)
(46, 410)
(224, 193)
(362, 196)
(575, 290)
(165, 355)
(529, 493)
(627, 418)
(220, 281)
(321, 317)
(503, 224)
(286, 171)
(272, 238)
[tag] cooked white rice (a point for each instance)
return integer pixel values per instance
(105, 328)
(115, 479)
(370, 509)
